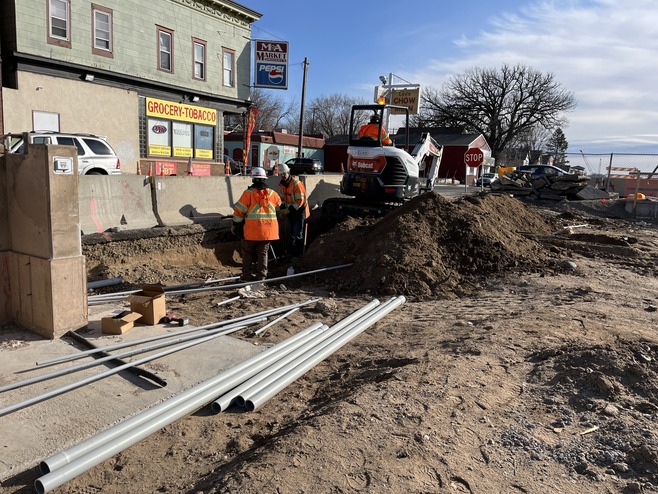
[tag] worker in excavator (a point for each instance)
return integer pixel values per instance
(371, 130)
(256, 224)
(294, 208)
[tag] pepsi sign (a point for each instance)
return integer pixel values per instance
(271, 64)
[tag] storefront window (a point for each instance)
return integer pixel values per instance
(158, 133)
(182, 139)
(177, 130)
(203, 137)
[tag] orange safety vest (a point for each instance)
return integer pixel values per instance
(294, 193)
(370, 130)
(257, 208)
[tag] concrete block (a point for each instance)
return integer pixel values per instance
(5, 287)
(5, 239)
(43, 211)
(50, 294)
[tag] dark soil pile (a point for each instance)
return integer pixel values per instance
(432, 247)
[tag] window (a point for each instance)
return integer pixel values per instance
(228, 57)
(102, 29)
(165, 49)
(59, 20)
(199, 56)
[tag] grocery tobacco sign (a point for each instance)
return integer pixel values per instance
(179, 111)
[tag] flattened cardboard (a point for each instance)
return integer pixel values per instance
(150, 303)
(119, 325)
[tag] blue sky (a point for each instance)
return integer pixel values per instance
(604, 51)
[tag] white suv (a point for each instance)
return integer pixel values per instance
(95, 155)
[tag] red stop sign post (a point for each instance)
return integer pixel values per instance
(473, 157)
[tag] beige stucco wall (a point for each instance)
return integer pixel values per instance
(82, 106)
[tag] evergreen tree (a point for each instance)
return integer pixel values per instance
(557, 147)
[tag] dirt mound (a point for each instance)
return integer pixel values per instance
(432, 247)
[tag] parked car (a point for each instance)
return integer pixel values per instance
(486, 179)
(301, 166)
(536, 170)
(95, 155)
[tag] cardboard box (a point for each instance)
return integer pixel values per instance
(120, 323)
(150, 303)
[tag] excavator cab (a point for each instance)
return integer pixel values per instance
(362, 115)
(380, 177)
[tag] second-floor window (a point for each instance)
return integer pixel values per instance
(199, 54)
(228, 57)
(59, 23)
(102, 29)
(165, 49)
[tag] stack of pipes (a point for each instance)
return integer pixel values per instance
(250, 384)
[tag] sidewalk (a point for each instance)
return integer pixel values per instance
(31, 434)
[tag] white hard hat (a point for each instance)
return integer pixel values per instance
(284, 168)
(258, 172)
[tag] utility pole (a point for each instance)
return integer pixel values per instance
(301, 115)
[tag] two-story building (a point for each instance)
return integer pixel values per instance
(155, 78)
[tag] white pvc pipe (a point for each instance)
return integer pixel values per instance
(272, 323)
(225, 401)
(256, 400)
(145, 426)
(244, 368)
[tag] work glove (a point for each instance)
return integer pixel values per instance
(237, 229)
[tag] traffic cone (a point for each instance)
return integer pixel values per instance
(276, 168)
(190, 167)
(227, 168)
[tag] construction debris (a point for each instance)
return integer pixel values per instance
(551, 187)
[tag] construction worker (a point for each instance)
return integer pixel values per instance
(371, 130)
(294, 208)
(255, 222)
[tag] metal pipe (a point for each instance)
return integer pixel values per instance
(226, 400)
(256, 400)
(73, 461)
(117, 346)
(243, 319)
(267, 280)
(102, 375)
(272, 323)
(91, 285)
(165, 288)
(130, 353)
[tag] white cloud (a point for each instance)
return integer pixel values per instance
(604, 51)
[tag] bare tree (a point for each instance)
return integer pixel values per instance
(501, 104)
(273, 111)
(327, 115)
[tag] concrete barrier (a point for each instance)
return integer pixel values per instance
(115, 201)
(127, 202)
(321, 187)
(187, 200)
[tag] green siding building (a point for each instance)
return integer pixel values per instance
(156, 78)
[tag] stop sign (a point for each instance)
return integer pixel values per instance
(474, 157)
